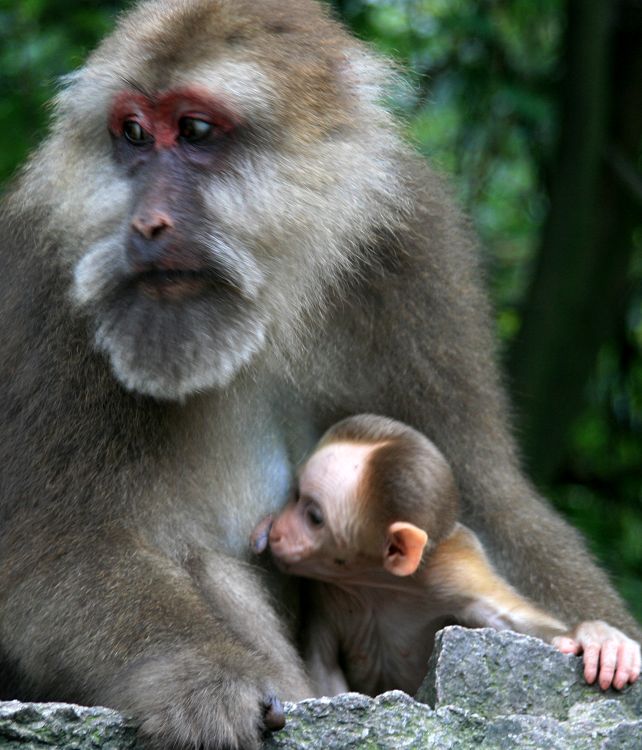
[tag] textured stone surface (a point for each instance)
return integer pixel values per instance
(493, 673)
(36, 726)
(488, 690)
(394, 721)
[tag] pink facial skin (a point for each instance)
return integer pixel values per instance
(165, 142)
(160, 117)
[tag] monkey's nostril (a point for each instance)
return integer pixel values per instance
(152, 223)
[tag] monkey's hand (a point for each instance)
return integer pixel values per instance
(195, 657)
(609, 656)
(194, 699)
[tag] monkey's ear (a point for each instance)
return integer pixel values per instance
(405, 544)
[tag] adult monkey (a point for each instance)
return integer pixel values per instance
(222, 248)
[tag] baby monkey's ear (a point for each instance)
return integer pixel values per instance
(405, 544)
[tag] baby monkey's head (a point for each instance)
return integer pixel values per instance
(372, 497)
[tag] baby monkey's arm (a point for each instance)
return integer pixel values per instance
(463, 578)
(460, 573)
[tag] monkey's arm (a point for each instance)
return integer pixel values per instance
(192, 673)
(461, 576)
(321, 642)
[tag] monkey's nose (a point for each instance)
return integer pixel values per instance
(151, 223)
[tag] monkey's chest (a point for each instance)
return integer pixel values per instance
(240, 472)
(386, 642)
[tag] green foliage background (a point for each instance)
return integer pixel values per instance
(484, 106)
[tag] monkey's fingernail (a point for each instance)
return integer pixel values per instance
(274, 716)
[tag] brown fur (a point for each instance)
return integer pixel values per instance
(360, 524)
(131, 476)
(406, 477)
(371, 631)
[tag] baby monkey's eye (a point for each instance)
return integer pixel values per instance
(314, 515)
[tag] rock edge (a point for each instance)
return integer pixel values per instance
(484, 689)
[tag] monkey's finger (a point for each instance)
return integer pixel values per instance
(591, 661)
(628, 664)
(566, 645)
(637, 659)
(608, 662)
(625, 659)
(274, 716)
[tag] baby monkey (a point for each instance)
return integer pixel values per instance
(374, 520)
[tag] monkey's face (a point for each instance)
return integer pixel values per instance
(216, 187)
(180, 295)
(298, 537)
(319, 534)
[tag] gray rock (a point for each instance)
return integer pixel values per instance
(493, 673)
(36, 726)
(353, 721)
(487, 690)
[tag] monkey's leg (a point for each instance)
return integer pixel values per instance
(120, 624)
(321, 649)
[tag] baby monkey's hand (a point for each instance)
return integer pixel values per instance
(609, 656)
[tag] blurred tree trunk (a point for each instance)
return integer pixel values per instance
(578, 294)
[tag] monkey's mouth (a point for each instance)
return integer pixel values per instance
(171, 284)
(177, 284)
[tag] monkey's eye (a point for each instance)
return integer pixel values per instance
(192, 130)
(135, 133)
(314, 515)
